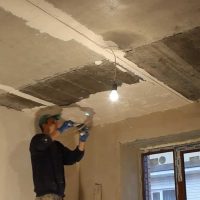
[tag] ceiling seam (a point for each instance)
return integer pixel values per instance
(11, 90)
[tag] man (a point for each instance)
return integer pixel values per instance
(49, 156)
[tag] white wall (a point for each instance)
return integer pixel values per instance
(16, 131)
(15, 167)
(108, 150)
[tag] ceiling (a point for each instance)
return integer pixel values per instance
(57, 52)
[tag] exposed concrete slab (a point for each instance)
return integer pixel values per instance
(28, 55)
(174, 61)
(79, 84)
(187, 46)
(13, 91)
(16, 102)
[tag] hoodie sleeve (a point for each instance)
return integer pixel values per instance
(71, 156)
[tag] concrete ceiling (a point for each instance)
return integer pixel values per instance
(50, 53)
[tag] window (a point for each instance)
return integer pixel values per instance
(169, 195)
(159, 178)
(156, 196)
(192, 174)
(164, 195)
(162, 177)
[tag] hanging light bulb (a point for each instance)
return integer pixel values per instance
(114, 94)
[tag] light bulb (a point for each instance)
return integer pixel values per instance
(114, 95)
(87, 114)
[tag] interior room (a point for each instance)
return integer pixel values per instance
(128, 68)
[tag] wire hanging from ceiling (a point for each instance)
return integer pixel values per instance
(107, 48)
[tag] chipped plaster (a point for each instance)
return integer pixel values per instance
(144, 98)
(33, 10)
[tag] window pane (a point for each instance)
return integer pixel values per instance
(192, 175)
(159, 176)
(169, 195)
(156, 196)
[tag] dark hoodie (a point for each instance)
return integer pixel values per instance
(48, 158)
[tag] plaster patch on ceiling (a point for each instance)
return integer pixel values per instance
(153, 20)
(75, 85)
(38, 56)
(125, 39)
(134, 101)
(38, 14)
(98, 62)
(174, 61)
(78, 113)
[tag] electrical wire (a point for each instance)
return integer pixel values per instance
(107, 48)
(115, 74)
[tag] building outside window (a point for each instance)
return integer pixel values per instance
(160, 175)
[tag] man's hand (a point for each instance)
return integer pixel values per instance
(83, 137)
(84, 134)
(65, 126)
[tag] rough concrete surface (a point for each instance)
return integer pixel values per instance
(16, 102)
(79, 84)
(174, 60)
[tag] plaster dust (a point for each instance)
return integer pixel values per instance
(40, 13)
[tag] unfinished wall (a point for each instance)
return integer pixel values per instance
(107, 151)
(17, 129)
(15, 168)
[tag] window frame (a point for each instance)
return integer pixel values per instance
(179, 165)
(182, 152)
(155, 151)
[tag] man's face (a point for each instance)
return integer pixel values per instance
(52, 125)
